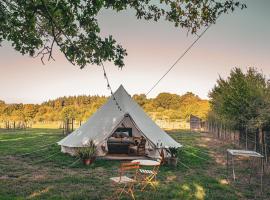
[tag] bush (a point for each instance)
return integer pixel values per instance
(173, 151)
(87, 151)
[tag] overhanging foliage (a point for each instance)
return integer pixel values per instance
(35, 27)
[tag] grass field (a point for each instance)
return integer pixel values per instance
(32, 167)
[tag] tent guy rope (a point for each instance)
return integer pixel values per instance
(46, 158)
(42, 148)
(182, 55)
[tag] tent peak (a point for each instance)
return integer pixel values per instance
(121, 87)
(121, 90)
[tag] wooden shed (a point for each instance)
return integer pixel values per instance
(195, 123)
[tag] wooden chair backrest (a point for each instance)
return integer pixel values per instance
(129, 166)
(161, 158)
(142, 143)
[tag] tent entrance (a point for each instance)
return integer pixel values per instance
(127, 140)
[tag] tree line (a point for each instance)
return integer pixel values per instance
(242, 103)
(165, 106)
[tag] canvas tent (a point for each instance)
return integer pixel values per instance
(108, 118)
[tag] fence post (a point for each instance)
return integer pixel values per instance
(234, 136)
(218, 131)
(221, 132)
(255, 140)
(225, 133)
(239, 136)
(265, 148)
(246, 138)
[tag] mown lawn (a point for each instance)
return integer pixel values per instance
(49, 174)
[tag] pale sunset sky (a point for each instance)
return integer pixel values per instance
(240, 39)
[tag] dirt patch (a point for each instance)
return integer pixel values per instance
(247, 186)
(171, 178)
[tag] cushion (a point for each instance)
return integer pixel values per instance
(123, 134)
(126, 140)
(116, 135)
(114, 140)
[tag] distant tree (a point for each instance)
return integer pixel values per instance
(149, 106)
(68, 115)
(68, 112)
(43, 113)
(80, 114)
(58, 104)
(2, 114)
(2, 103)
(188, 98)
(18, 116)
(242, 100)
(167, 101)
(202, 109)
(172, 114)
(36, 27)
(29, 111)
(97, 103)
(140, 99)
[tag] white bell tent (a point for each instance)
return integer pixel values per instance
(103, 124)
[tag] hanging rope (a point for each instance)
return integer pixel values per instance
(110, 88)
(183, 54)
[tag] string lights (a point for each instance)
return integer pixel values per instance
(110, 88)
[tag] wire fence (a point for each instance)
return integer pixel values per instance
(248, 139)
(247, 171)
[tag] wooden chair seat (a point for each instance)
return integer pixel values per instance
(122, 179)
(149, 177)
(138, 149)
(127, 186)
(146, 171)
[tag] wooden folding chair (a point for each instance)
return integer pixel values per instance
(161, 159)
(149, 177)
(139, 149)
(126, 183)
